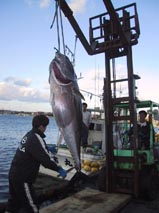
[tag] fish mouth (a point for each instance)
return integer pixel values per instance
(58, 75)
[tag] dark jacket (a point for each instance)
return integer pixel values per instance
(30, 154)
(143, 134)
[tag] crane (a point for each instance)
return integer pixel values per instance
(114, 35)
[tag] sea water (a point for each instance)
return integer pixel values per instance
(12, 129)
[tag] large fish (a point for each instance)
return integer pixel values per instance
(66, 103)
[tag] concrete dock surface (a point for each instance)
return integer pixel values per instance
(89, 201)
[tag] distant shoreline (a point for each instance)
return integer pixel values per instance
(11, 112)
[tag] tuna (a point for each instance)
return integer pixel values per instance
(66, 104)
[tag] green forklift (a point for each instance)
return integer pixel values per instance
(133, 169)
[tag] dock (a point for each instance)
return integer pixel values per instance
(89, 201)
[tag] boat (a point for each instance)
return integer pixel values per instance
(92, 157)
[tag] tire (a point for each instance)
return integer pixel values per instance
(149, 182)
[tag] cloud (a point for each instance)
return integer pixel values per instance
(91, 86)
(18, 82)
(44, 3)
(77, 6)
(14, 89)
(93, 82)
(29, 2)
(147, 90)
(41, 3)
(9, 79)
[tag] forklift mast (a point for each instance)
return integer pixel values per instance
(114, 33)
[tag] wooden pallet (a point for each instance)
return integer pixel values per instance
(89, 201)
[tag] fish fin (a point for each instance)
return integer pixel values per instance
(77, 92)
(60, 138)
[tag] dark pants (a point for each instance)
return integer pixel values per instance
(84, 135)
(22, 198)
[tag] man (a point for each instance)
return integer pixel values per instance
(143, 128)
(86, 116)
(25, 167)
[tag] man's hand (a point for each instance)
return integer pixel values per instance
(62, 172)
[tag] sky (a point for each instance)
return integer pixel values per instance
(27, 46)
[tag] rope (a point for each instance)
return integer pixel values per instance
(62, 31)
(58, 32)
(54, 17)
(58, 18)
(75, 50)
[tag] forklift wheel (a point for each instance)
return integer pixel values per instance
(101, 182)
(149, 182)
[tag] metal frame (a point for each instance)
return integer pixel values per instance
(118, 32)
